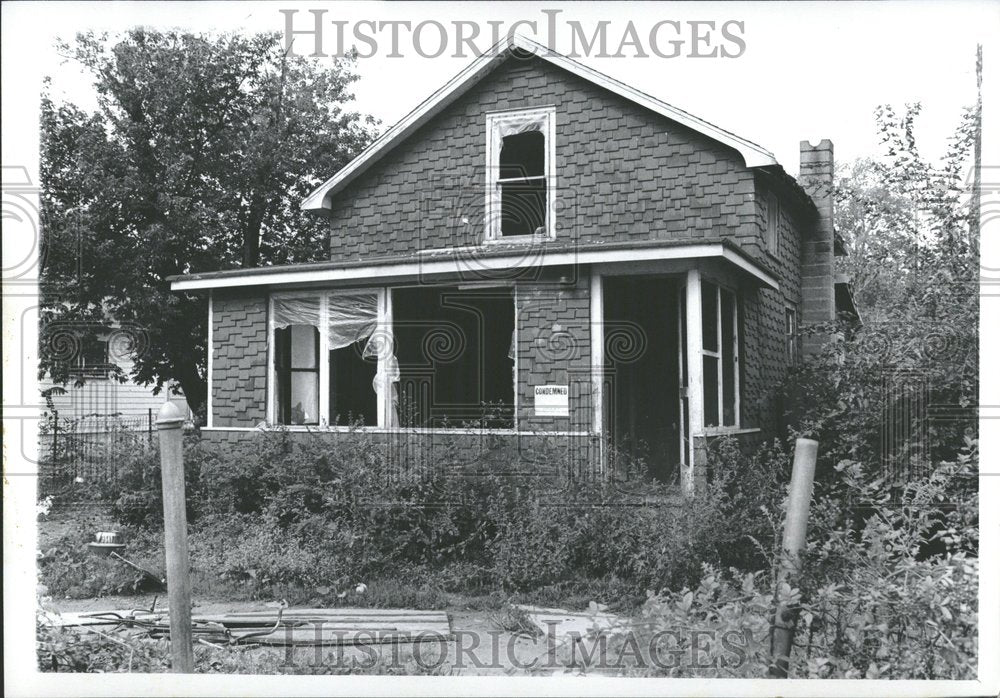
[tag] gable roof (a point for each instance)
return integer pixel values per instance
(319, 200)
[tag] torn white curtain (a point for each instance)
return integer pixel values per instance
(295, 311)
(514, 124)
(351, 316)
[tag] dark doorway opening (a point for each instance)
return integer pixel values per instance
(642, 327)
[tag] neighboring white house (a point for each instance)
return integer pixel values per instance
(101, 397)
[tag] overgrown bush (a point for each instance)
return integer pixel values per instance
(280, 511)
(889, 590)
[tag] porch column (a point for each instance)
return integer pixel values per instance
(695, 392)
(597, 358)
(383, 398)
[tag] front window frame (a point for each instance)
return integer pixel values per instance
(496, 122)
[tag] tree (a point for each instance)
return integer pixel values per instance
(196, 159)
(913, 257)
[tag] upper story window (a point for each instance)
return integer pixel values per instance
(771, 234)
(520, 174)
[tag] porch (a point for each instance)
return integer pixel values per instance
(635, 351)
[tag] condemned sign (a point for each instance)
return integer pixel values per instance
(552, 401)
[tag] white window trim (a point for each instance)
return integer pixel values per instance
(384, 311)
(492, 219)
(717, 355)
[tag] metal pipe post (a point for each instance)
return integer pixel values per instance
(796, 520)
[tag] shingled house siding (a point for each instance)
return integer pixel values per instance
(764, 359)
(623, 173)
(239, 360)
(553, 348)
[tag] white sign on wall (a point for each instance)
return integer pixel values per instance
(552, 401)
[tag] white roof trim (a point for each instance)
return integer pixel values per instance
(318, 200)
(419, 268)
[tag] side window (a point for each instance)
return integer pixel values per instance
(520, 176)
(791, 335)
(720, 355)
(773, 213)
(92, 361)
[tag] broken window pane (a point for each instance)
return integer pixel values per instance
(728, 305)
(92, 360)
(709, 317)
(453, 350)
(352, 398)
(523, 155)
(522, 185)
(522, 208)
(710, 376)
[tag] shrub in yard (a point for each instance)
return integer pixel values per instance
(137, 495)
(305, 509)
(872, 601)
(893, 592)
(716, 628)
(68, 569)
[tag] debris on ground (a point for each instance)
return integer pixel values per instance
(280, 626)
(573, 624)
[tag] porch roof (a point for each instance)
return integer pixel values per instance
(493, 262)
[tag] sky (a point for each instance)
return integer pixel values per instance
(808, 70)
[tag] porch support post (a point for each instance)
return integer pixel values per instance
(695, 393)
(383, 398)
(597, 358)
(323, 360)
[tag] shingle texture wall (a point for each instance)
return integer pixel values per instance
(239, 360)
(553, 348)
(623, 173)
(764, 354)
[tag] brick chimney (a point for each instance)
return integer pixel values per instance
(816, 177)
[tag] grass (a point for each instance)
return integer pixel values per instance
(69, 571)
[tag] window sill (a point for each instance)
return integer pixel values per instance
(518, 239)
(397, 430)
(727, 431)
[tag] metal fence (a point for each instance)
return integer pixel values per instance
(92, 449)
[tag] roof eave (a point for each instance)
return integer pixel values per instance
(319, 200)
(465, 263)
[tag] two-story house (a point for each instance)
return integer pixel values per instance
(537, 250)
